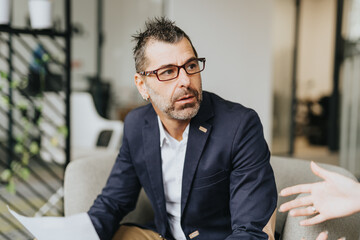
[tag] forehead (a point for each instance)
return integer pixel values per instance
(160, 53)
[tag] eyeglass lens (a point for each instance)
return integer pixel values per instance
(170, 72)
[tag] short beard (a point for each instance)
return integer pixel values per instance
(187, 112)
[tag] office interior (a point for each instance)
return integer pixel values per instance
(296, 62)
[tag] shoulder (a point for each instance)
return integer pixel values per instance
(227, 109)
(139, 111)
(135, 117)
(232, 120)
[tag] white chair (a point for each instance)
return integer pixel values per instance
(90, 133)
(87, 124)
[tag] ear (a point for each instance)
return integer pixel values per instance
(140, 84)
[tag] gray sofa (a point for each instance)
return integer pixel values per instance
(85, 178)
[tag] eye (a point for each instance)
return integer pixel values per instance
(193, 65)
(167, 71)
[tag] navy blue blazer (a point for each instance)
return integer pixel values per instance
(228, 186)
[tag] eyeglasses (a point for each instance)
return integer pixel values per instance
(171, 72)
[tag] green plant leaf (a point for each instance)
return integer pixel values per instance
(45, 57)
(24, 173)
(22, 105)
(14, 84)
(25, 158)
(5, 100)
(19, 139)
(34, 148)
(3, 74)
(27, 124)
(39, 121)
(63, 130)
(15, 166)
(39, 108)
(10, 187)
(19, 148)
(6, 175)
(38, 61)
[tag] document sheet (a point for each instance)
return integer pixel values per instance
(75, 227)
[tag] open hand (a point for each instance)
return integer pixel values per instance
(336, 196)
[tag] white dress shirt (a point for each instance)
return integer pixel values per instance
(173, 158)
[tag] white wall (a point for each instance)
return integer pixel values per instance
(122, 19)
(84, 45)
(235, 37)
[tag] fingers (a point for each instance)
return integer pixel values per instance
(314, 220)
(302, 188)
(323, 236)
(303, 212)
(298, 202)
(306, 188)
(319, 171)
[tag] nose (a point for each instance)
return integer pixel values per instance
(183, 78)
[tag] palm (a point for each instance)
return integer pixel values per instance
(336, 196)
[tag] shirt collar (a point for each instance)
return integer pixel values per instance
(164, 135)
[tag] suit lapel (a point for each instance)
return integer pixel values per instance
(198, 134)
(152, 156)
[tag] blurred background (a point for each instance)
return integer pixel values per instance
(296, 62)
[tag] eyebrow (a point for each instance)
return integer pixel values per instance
(170, 65)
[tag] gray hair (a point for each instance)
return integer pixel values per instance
(159, 29)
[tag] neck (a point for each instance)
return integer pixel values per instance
(174, 127)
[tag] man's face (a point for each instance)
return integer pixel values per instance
(179, 98)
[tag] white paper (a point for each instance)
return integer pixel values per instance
(75, 227)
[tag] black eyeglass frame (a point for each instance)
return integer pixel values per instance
(147, 73)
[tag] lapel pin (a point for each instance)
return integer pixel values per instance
(201, 128)
(194, 234)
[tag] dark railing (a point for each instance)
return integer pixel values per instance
(34, 122)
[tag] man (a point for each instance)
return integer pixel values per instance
(202, 161)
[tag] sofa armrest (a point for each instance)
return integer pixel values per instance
(84, 180)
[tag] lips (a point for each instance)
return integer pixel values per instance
(186, 100)
(186, 97)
